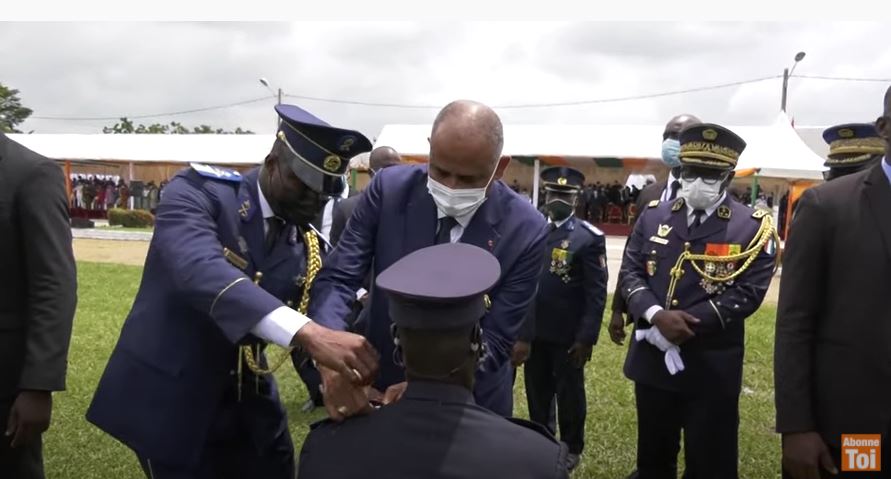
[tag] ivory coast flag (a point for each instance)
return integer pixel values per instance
(722, 249)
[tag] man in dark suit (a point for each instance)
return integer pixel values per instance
(694, 269)
(437, 298)
(569, 310)
(655, 191)
(188, 387)
(380, 158)
(458, 197)
(38, 295)
(834, 320)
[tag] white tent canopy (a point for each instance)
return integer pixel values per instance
(776, 150)
(147, 148)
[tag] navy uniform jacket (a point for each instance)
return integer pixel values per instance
(714, 357)
(173, 368)
(572, 290)
(396, 216)
(440, 433)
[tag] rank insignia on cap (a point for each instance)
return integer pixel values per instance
(664, 230)
(724, 212)
(710, 146)
(345, 143)
(710, 134)
(678, 204)
(852, 144)
(846, 133)
(561, 181)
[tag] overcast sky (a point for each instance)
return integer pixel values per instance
(130, 69)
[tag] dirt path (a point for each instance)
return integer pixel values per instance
(111, 251)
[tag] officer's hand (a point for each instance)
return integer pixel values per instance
(675, 325)
(29, 417)
(342, 397)
(349, 354)
(804, 454)
(617, 327)
(520, 353)
(394, 392)
(579, 354)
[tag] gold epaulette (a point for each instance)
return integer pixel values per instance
(758, 214)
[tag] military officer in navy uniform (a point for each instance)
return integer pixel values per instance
(694, 269)
(230, 266)
(852, 147)
(436, 298)
(569, 310)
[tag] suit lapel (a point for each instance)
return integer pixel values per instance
(251, 220)
(420, 219)
(878, 195)
(482, 230)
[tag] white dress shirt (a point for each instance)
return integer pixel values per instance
(691, 216)
(328, 213)
(282, 323)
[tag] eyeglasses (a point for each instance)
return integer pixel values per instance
(708, 178)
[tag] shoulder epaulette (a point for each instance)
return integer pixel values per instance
(216, 173)
(591, 228)
(758, 214)
(677, 205)
(653, 204)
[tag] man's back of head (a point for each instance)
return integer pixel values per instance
(437, 298)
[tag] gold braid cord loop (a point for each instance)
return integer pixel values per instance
(765, 234)
(313, 265)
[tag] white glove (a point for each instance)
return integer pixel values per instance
(673, 361)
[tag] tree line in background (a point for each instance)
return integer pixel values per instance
(12, 114)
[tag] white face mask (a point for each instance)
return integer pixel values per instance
(457, 202)
(699, 195)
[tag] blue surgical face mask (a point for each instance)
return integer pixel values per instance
(671, 150)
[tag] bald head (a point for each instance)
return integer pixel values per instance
(473, 121)
(466, 145)
(383, 157)
(677, 124)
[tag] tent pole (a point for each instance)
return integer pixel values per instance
(754, 188)
(535, 172)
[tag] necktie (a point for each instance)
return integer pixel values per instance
(276, 226)
(697, 219)
(444, 231)
(675, 186)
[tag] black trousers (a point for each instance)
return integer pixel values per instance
(549, 374)
(249, 438)
(710, 422)
(23, 462)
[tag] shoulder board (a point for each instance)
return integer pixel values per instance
(677, 205)
(534, 426)
(653, 204)
(758, 214)
(593, 229)
(216, 173)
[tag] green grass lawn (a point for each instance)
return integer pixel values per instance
(76, 449)
(147, 229)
